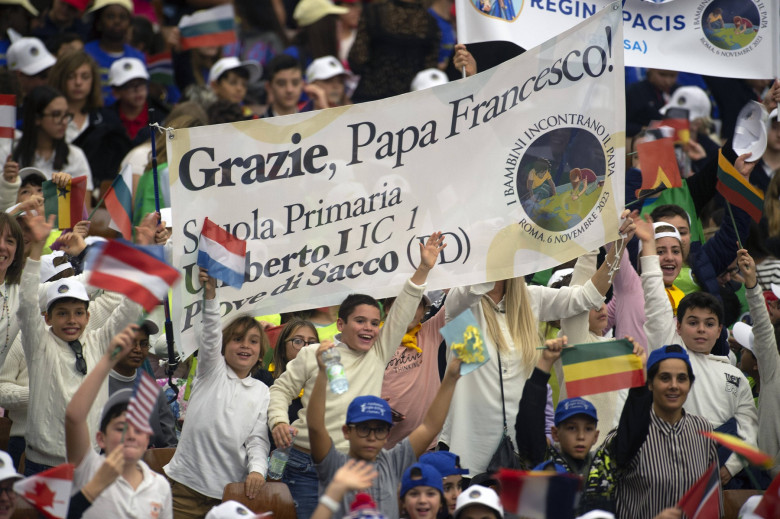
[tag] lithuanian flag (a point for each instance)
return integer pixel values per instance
(599, 367)
(67, 203)
(741, 447)
(737, 190)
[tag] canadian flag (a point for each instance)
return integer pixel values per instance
(49, 491)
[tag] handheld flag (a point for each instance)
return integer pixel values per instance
(769, 506)
(119, 203)
(208, 28)
(7, 116)
(465, 338)
(702, 500)
(143, 402)
(67, 203)
(539, 494)
(681, 128)
(741, 447)
(131, 271)
(737, 190)
(160, 68)
(48, 491)
(222, 254)
(658, 164)
(600, 367)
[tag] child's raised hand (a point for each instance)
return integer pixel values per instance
(431, 250)
(39, 226)
(72, 243)
(551, 353)
(639, 351)
(355, 475)
(208, 283)
(747, 269)
(145, 232)
(324, 346)
(122, 343)
(644, 230)
(61, 179)
(453, 368)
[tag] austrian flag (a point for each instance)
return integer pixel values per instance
(222, 254)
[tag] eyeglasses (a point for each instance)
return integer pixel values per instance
(59, 117)
(81, 364)
(363, 430)
(299, 343)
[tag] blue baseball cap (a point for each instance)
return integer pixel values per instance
(663, 354)
(572, 407)
(424, 476)
(447, 463)
(369, 407)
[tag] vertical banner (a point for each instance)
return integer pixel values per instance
(520, 166)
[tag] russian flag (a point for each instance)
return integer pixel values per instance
(7, 116)
(129, 270)
(539, 495)
(119, 203)
(208, 28)
(222, 254)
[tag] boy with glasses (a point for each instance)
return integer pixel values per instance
(367, 427)
(123, 376)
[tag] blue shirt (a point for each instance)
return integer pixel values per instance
(448, 40)
(104, 61)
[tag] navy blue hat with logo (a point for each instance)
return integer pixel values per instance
(369, 407)
(572, 407)
(447, 463)
(421, 475)
(663, 354)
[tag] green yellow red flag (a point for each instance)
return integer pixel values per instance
(600, 367)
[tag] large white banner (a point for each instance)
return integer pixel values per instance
(728, 38)
(520, 166)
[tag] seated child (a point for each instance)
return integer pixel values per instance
(422, 495)
(229, 79)
(479, 503)
(328, 73)
(138, 490)
(367, 427)
(448, 465)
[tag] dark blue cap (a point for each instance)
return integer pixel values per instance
(447, 463)
(662, 354)
(425, 476)
(572, 407)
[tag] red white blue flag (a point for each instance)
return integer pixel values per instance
(7, 116)
(702, 500)
(119, 203)
(129, 270)
(222, 254)
(539, 494)
(143, 402)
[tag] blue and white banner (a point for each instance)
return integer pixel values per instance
(727, 38)
(520, 166)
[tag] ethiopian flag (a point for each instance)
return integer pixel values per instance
(599, 367)
(737, 190)
(67, 203)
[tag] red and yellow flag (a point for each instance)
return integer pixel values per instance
(600, 367)
(658, 164)
(67, 203)
(741, 447)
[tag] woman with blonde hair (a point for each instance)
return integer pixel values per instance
(508, 313)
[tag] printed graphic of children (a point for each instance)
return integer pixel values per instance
(742, 25)
(715, 19)
(578, 183)
(539, 181)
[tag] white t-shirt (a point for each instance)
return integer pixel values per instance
(152, 498)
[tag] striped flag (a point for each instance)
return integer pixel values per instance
(143, 402)
(222, 254)
(119, 203)
(539, 494)
(702, 500)
(7, 116)
(67, 203)
(741, 447)
(160, 68)
(208, 28)
(48, 491)
(129, 270)
(737, 190)
(600, 367)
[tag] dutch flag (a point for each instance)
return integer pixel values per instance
(222, 254)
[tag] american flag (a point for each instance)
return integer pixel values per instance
(142, 402)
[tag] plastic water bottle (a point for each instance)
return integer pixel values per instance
(337, 377)
(278, 462)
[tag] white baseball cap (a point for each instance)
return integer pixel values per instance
(100, 4)
(743, 334)
(50, 268)
(309, 11)
(232, 510)
(324, 68)
(428, 78)
(29, 56)
(7, 469)
(124, 70)
(750, 131)
(693, 99)
(225, 64)
(65, 288)
(478, 495)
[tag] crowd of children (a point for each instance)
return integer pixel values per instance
(410, 437)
